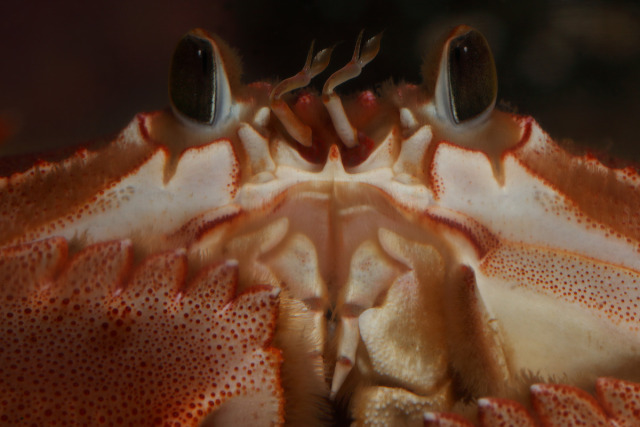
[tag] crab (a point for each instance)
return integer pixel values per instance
(264, 254)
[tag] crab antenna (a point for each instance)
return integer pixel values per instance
(312, 67)
(360, 58)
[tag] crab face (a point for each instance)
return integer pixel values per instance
(265, 253)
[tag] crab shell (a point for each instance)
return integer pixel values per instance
(272, 268)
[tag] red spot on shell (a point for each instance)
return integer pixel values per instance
(87, 356)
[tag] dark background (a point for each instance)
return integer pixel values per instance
(73, 70)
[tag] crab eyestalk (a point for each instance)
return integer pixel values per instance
(331, 100)
(467, 84)
(312, 67)
(199, 87)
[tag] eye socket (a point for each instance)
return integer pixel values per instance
(192, 78)
(467, 84)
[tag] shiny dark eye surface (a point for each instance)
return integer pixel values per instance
(192, 79)
(472, 76)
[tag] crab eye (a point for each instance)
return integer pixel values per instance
(467, 84)
(194, 78)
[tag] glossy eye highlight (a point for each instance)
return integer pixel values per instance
(192, 85)
(467, 83)
(472, 76)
